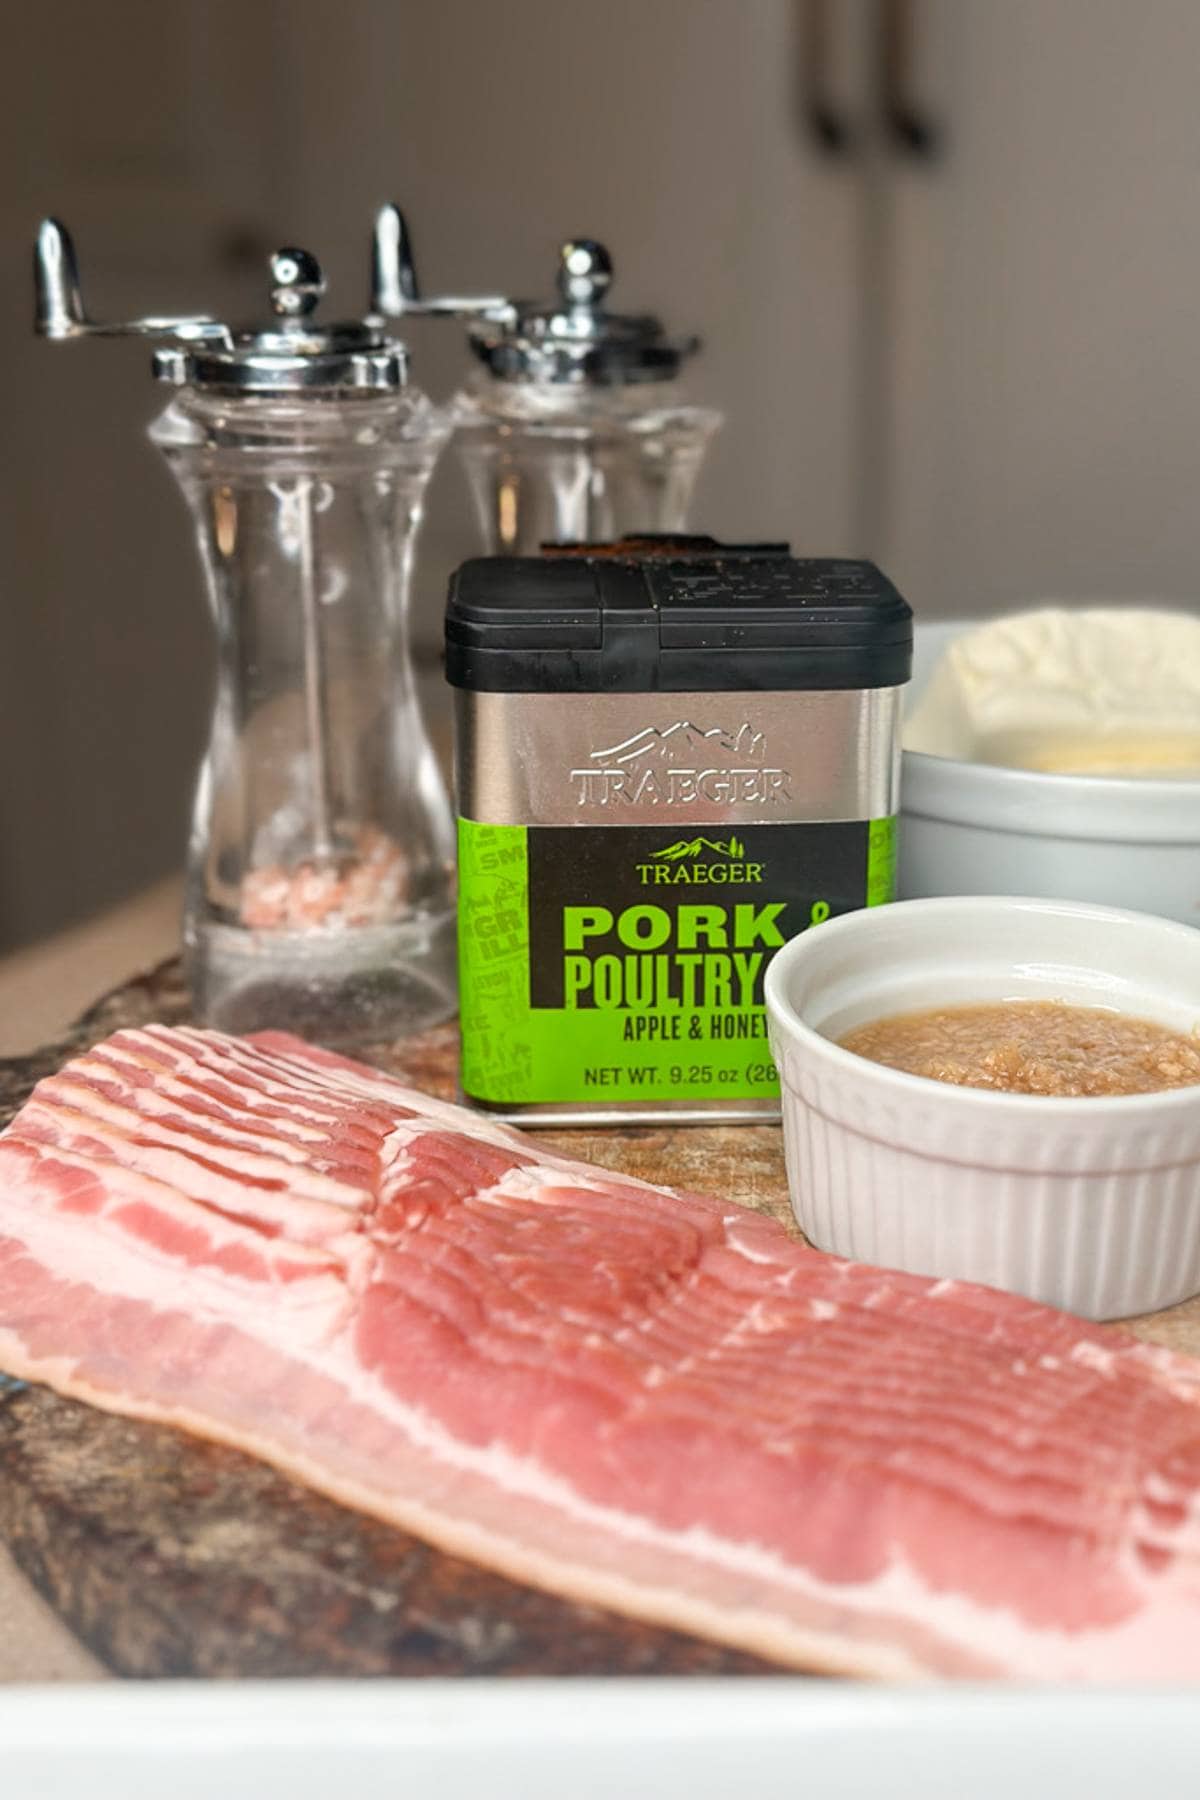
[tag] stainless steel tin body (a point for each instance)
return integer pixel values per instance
(666, 760)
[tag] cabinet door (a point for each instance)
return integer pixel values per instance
(669, 130)
(1043, 400)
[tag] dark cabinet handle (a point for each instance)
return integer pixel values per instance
(909, 128)
(821, 119)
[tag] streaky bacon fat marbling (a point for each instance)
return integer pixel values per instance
(650, 1400)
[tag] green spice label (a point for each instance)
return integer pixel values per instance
(609, 963)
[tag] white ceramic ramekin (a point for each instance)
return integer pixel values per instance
(969, 828)
(1091, 1204)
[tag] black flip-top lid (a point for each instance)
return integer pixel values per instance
(675, 615)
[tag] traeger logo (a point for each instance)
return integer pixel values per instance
(698, 845)
(686, 861)
(681, 766)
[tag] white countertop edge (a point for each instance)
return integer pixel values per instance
(593, 1738)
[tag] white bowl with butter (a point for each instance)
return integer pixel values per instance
(971, 823)
(1091, 1203)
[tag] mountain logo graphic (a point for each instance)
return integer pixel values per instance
(698, 845)
(715, 746)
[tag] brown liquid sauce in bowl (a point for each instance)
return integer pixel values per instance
(1033, 1047)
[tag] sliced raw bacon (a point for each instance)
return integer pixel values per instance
(650, 1400)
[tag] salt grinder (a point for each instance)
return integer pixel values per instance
(320, 867)
(575, 429)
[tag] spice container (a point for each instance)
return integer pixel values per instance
(320, 868)
(671, 759)
(575, 428)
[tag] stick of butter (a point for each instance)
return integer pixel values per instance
(1102, 690)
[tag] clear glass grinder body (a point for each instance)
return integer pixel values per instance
(321, 853)
(320, 892)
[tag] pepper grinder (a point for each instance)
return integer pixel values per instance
(575, 429)
(320, 893)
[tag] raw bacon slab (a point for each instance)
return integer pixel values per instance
(652, 1401)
